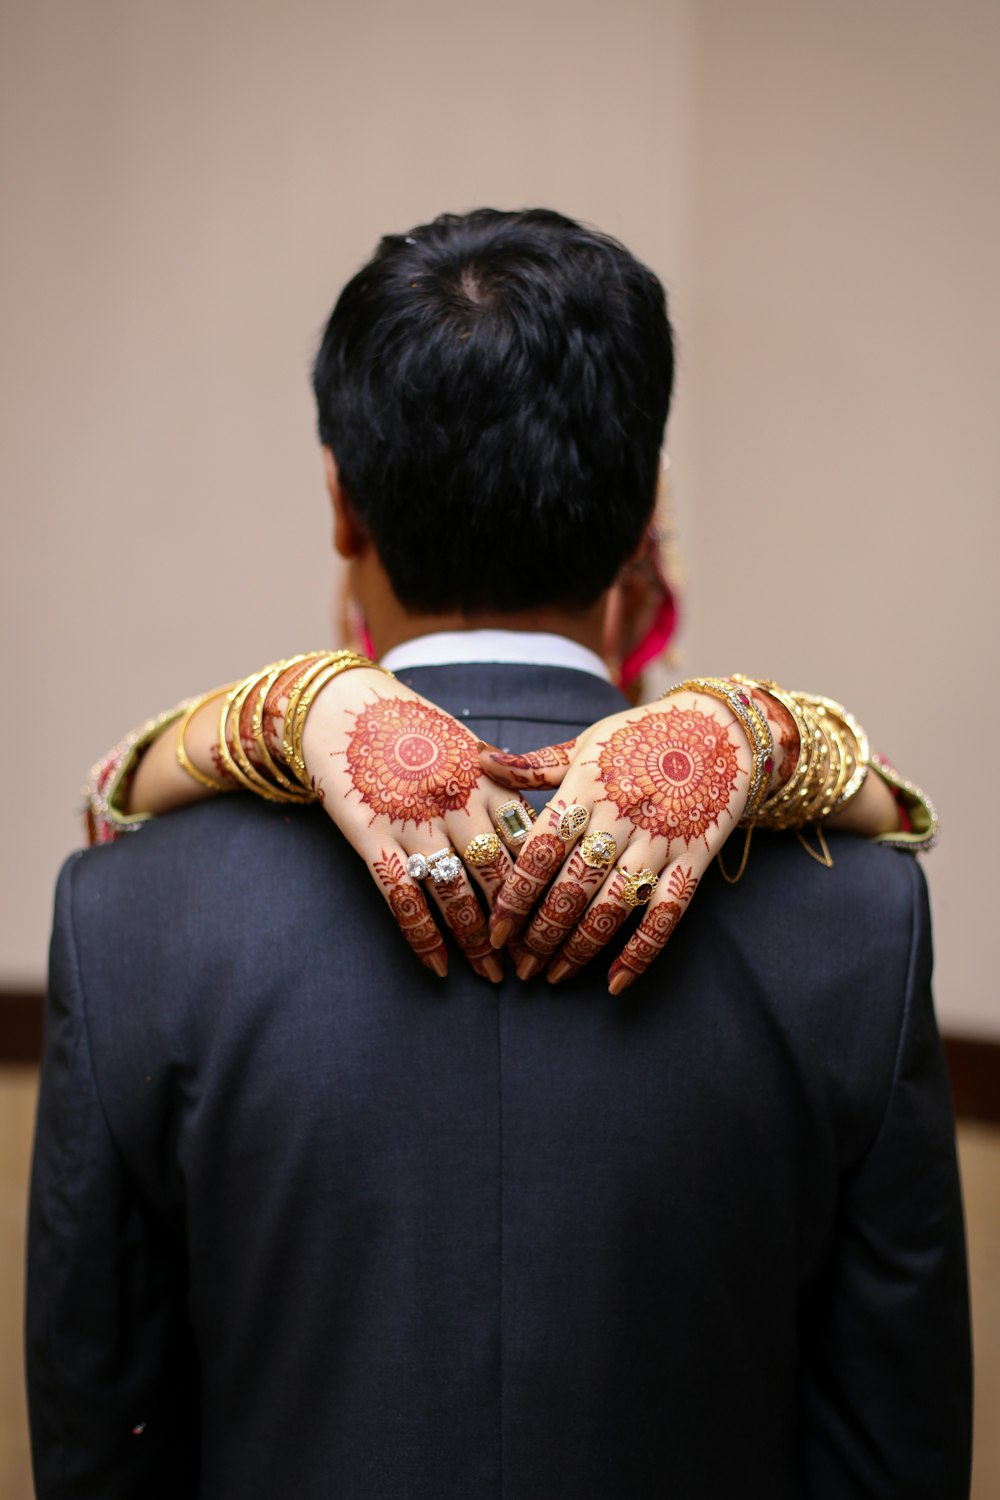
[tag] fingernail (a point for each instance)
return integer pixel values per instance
(439, 963)
(528, 966)
(619, 982)
(493, 970)
(559, 971)
(500, 932)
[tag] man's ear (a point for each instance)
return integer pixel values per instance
(349, 536)
(641, 548)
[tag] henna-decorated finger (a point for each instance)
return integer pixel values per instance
(598, 925)
(488, 862)
(567, 819)
(407, 904)
(467, 923)
(540, 857)
(607, 913)
(536, 769)
(626, 887)
(560, 911)
(655, 929)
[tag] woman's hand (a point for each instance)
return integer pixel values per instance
(400, 777)
(659, 790)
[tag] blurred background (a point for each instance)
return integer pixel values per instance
(185, 188)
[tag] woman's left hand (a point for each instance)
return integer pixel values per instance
(647, 798)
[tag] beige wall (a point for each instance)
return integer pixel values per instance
(184, 189)
(843, 390)
(185, 186)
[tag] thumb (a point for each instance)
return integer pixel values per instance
(535, 769)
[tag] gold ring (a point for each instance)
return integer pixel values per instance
(573, 821)
(514, 820)
(638, 889)
(598, 850)
(482, 850)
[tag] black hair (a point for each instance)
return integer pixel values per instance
(494, 387)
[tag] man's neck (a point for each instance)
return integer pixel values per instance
(390, 624)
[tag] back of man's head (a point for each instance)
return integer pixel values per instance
(494, 387)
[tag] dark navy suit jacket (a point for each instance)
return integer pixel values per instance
(308, 1222)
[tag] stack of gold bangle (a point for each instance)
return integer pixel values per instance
(246, 760)
(833, 760)
(300, 700)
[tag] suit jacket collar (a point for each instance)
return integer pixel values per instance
(471, 690)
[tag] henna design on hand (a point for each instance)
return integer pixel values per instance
(493, 875)
(275, 704)
(597, 927)
(671, 773)
(219, 766)
(410, 762)
(250, 747)
(682, 884)
(536, 768)
(536, 864)
(408, 906)
(551, 815)
(649, 938)
(562, 908)
(465, 919)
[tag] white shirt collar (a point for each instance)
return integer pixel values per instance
(534, 648)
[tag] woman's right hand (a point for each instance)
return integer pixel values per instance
(400, 777)
(397, 775)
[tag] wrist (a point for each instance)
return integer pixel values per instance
(326, 718)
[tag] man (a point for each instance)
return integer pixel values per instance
(307, 1222)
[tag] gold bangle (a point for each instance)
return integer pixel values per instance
(225, 754)
(301, 700)
(828, 791)
(296, 690)
(257, 723)
(237, 761)
(832, 762)
(111, 777)
(180, 749)
(859, 746)
(770, 810)
(794, 804)
(788, 810)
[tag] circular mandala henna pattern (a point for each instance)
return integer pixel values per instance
(671, 773)
(410, 762)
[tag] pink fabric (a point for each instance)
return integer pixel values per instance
(654, 642)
